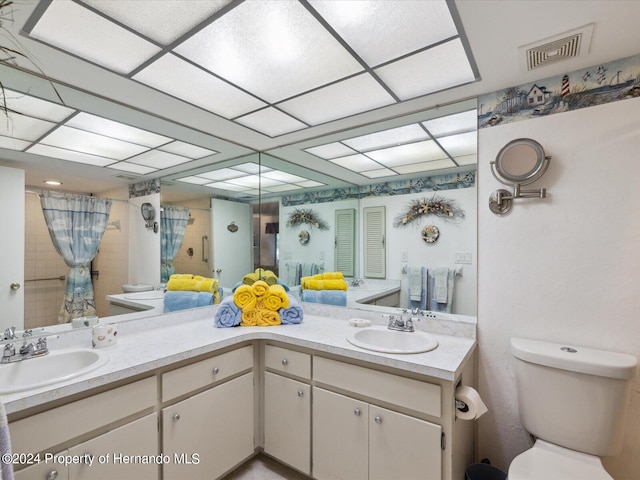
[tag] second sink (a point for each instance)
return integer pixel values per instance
(381, 339)
(57, 366)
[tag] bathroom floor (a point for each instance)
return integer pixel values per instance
(262, 467)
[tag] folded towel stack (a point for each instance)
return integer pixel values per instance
(174, 301)
(293, 313)
(260, 274)
(259, 304)
(194, 283)
(324, 281)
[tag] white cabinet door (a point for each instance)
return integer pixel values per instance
(287, 421)
(12, 248)
(403, 447)
(113, 453)
(340, 437)
(210, 433)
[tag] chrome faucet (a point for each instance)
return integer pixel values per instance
(26, 351)
(400, 324)
(356, 282)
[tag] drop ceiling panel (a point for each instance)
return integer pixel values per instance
(450, 124)
(24, 128)
(387, 138)
(357, 163)
(380, 31)
(424, 167)
(382, 172)
(132, 168)
(91, 143)
(414, 76)
(341, 99)
(13, 143)
(182, 80)
(461, 144)
(109, 128)
(70, 155)
(35, 107)
(92, 37)
(187, 150)
(271, 122)
(161, 20)
(410, 153)
(158, 159)
(274, 49)
(330, 150)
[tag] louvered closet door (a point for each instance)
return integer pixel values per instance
(374, 242)
(345, 241)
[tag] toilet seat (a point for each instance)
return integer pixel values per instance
(546, 461)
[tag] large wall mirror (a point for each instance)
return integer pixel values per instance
(396, 164)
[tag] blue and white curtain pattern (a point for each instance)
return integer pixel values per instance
(76, 225)
(173, 225)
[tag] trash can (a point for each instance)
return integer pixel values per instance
(484, 471)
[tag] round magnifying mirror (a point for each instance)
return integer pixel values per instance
(521, 161)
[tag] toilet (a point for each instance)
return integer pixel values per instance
(573, 400)
(136, 287)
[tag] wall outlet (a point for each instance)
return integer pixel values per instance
(322, 255)
(404, 257)
(464, 258)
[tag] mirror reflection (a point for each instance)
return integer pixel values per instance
(258, 192)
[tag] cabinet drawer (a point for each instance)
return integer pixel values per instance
(205, 372)
(405, 392)
(47, 429)
(288, 361)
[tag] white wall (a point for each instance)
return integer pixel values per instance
(321, 246)
(144, 243)
(454, 238)
(564, 269)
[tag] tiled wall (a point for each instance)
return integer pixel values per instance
(42, 299)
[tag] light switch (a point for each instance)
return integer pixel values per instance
(464, 258)
(404, 257)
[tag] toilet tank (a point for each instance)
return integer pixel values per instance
(574, 397)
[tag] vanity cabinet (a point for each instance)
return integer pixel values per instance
(287, 407)
(357, 439)
(210, 432)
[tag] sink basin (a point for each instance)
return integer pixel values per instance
(154, 295)
(381, 339)
(57, 366)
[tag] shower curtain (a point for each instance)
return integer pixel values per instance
(173, 225)
(76, 225)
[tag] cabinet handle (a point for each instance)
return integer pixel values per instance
(216, 371)
(300, 393)
(176, 417)
(285, 362)
(378, 420)
(357, 412)
(52, 475)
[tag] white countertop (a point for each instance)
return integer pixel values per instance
(150, 343)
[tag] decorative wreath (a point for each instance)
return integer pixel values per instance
(430, 233)
(437, 205)
(299, 216)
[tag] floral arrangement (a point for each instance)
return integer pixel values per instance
(436, 205)
(299, 216)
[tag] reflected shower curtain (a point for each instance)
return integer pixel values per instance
(76, 225)
(173, 225)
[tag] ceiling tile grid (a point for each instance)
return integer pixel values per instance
(272, 66)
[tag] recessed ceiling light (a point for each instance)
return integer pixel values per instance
(53, 182)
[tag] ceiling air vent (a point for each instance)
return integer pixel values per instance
(562, 47)
(126, 177)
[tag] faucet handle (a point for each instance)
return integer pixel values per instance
(10, 333)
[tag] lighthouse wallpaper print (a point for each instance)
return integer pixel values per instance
(618, 80)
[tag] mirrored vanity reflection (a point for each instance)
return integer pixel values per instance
(380, 258)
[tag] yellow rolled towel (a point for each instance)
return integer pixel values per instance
(266, 275)
(244, 298)
(325, 285)
(276, 298)
(181, 276)
(249, 278)
(260, 288)
(202, 284)
(216, 297)
(250, 317)
(268, 318)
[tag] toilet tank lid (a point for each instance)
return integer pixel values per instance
(576, 359)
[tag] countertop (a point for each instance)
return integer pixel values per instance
(150, 343)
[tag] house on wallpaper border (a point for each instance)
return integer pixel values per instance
(537, 96)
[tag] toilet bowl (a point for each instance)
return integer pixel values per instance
(551, 462)
(136, 287)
